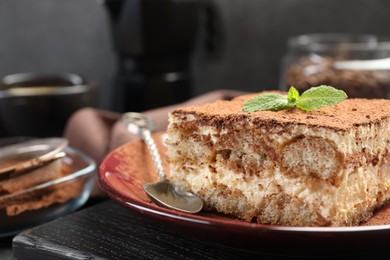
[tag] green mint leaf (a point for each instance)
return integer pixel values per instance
(317, 97)
(293, 94)
(313, 98)
(267, 102)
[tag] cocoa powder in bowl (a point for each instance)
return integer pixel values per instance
(43, 197)
(25, 203)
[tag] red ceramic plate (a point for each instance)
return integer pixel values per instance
(124, 171)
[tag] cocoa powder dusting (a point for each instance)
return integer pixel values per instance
(42, 198)
(340, 117)
(381, 217)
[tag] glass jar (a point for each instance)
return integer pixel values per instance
(358, 64)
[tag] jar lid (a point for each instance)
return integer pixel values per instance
(328, 41)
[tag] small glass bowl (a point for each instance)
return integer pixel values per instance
(339, 60)
(44, 202)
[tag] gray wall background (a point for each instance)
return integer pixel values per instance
(74, 36)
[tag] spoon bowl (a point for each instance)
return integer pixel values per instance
(167, 195)
(163, 193)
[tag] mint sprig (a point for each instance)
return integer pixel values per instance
(313, 98)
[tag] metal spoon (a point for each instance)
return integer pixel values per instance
(163, 193)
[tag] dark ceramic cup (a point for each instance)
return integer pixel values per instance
(39, 105)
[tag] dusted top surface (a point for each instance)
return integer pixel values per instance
(342, 116)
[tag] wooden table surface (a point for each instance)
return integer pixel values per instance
(108, 230)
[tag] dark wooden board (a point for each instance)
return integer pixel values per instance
(108, 230)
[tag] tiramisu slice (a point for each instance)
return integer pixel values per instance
(327, 167)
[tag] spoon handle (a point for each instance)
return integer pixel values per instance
(148, 139)
(141, 125)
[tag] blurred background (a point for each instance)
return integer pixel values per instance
(142, 54)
